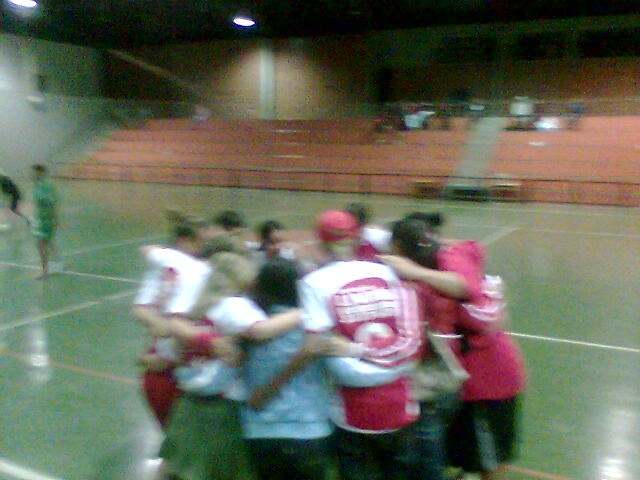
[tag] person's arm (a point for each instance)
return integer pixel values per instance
(274, 326)
(263, 394)
(206, 340)
(451, 284)
(157, 323)
(353, 372)
(145, 250)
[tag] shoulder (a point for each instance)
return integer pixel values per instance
(234, 315)
(235, 306)
(377, 236)
(340, 273)
(469, 251)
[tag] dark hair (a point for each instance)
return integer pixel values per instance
(39, 168)
(276, 284)
(433, 220)
(218, 244)
(184, 230)
(229, 219)
(265, 229)
(410, 236)
(360, 211)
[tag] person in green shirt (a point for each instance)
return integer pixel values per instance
(45, 199)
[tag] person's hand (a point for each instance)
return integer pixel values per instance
(153, 362)
(404, 267)
(339, 346)
(225, 349)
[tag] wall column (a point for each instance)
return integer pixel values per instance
(267, 69)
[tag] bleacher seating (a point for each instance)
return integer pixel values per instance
(597, 164)
(327, 155)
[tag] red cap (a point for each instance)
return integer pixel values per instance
(334, 225)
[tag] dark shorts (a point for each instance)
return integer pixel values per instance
(289, 458)
(161, 392)
(14, 203)
(484, 435)
(10, 189)
(380, 456)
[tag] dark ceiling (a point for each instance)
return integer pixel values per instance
(128, 23)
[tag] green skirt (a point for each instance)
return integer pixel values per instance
(43, 228)
(204, 440)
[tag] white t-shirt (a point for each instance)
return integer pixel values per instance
(150, 288)
(367, 303)
(174, 282)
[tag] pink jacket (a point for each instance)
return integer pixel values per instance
(490, 355)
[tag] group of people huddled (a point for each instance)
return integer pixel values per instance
(379, 353)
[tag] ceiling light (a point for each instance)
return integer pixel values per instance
(242, 21)
(24, 3)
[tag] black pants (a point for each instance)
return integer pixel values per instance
(427, 449)
(290, 459)
(376, 456)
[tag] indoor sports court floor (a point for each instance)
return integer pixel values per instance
(70, 406)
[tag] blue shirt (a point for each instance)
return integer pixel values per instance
(300, 409)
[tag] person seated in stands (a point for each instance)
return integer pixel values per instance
(522, 111)
(477, 108)
(444, 114)
(576, 109)
(201, 114)
(418, 118)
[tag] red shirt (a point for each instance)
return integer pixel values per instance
(493, 359)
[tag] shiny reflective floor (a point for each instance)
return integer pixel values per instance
(70, 405)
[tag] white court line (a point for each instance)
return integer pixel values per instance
(494, 237)
(524, 209)
(17, 472)
(524, 228)
(95, 275)
(64, 311)
(575, 342)
(44, 316)
(546, 230)
(575, 232)
(71, 272)
(112, 245)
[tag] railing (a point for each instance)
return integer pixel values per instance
(522, 189)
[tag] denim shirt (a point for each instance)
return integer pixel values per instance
(300, 409)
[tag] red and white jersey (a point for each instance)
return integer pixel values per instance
(150, 290)
(174, 282)
(368, 304)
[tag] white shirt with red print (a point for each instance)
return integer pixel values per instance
(173, 284)
(368, 304)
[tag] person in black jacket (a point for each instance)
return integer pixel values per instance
(11, 190)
